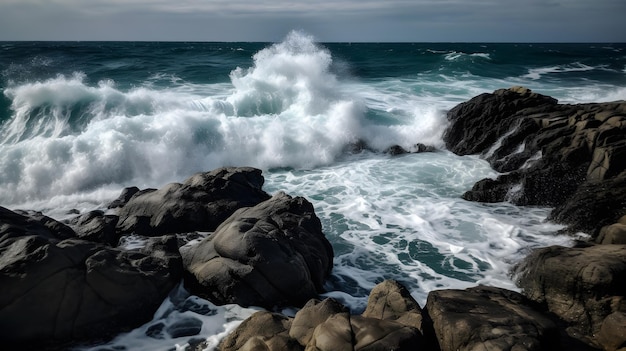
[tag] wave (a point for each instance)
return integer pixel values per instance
(456, 56)
(66, 136)
(538, 73)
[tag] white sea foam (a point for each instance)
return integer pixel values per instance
(68, 137)
(403, 218)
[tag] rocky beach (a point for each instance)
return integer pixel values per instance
(67, 282)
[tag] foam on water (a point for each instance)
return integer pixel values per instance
(68, 137)
(402, 218)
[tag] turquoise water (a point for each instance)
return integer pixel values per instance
(80, 121)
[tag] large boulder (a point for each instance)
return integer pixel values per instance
(581, 285)
(272, 254)
(488, 318)
(96, 226)
(201, 203)
(57, 290)
(328, 326)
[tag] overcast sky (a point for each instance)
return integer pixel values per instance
(326, 20)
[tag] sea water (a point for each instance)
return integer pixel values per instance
(82, 120)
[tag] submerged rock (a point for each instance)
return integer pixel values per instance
(272, 254)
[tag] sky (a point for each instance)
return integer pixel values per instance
(326, 20)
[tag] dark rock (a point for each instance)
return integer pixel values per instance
(553, 154)
(487, 318)
(56, 291)
(582, 286)
(419, 147)
(124, 197)
(478, 123)
(19, 223)
(614, 233)
(395, 150)
(97, 227)
(371, 334)
(201, 203)
(593, 205)
(185, 327)
(272, 254)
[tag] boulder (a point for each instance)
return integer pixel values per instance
(96, 226)
(19, 223)
(612, 334)
(272, 254)
(487, 318)
(201, 203)
(614, 233)
(390, 300)
(581, 285)
(56, 291)
(328, 326)
(262, 331)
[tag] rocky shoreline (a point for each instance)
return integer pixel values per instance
(67, 282)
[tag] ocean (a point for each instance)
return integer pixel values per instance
(79, 121)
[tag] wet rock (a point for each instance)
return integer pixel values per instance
(124, 197)
(97, 227)
(487, 318)
(328, 326)
(582, 286)
(390, 300)
(56, 291)
(272, 254)
(552, 154)
(19, 223)
(262, 331)
(201, 203)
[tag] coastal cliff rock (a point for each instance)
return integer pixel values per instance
(271, 254)
(201, 203)
(57, 290)
(550, 154)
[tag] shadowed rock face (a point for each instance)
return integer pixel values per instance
(548, 151)
(56, 290)
(201, 203)
(271, 254)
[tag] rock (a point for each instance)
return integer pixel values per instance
(56, 291)
(97, 227)
(582, 286)
(328, 326)
(593, 205)
(272, 254)
(551, 154)
(124, 197)
(612, 234)
(612, 334)
(487, 318)
(314, 313)
(395, 150)
(262, 331)
(201, 203)
(19, 223)
(390, 300)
